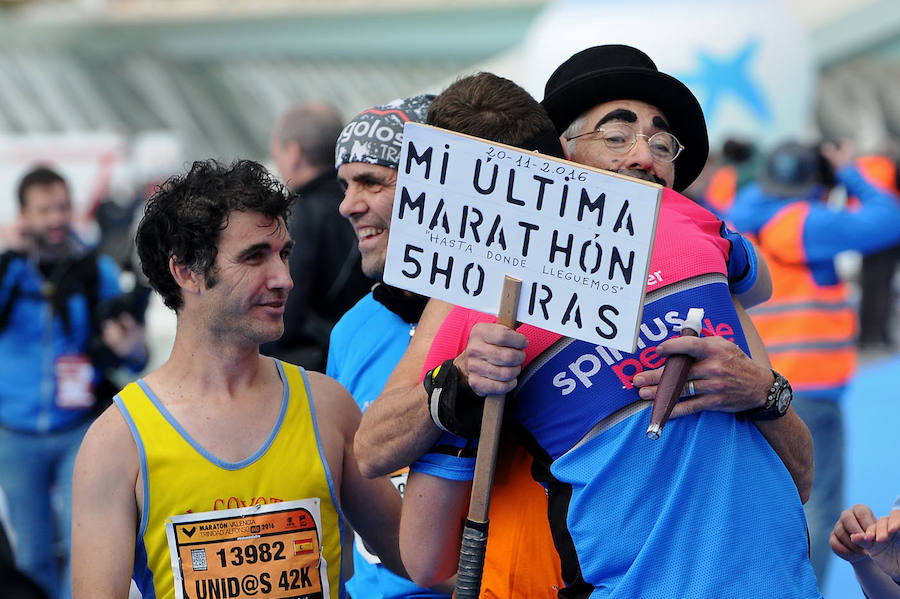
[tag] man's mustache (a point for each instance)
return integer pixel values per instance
(642, 174)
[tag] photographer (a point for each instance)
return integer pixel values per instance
(809, 325)
(55, 346)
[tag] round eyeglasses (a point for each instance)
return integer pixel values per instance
(620, 138)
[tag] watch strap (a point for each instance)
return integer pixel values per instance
(771, 410)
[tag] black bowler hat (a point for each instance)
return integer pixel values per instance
(616, 72)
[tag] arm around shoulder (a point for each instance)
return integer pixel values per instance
(728, 380)
(104, 509)
(434, 512)
(761, 290)
(371, 505)
(788, 435)
(381, 446)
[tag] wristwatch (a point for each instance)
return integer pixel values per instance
(778, 400)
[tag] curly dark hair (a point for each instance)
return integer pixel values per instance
(187, 214)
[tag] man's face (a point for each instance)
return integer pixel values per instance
(47, 214)
(244, 297)
(367, 204)
(637, 162)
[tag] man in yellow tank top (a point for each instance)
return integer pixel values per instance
(223, 473)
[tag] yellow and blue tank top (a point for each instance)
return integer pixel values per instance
(181, 479)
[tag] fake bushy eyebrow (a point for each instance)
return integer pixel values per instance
(661, 124)
(627, 116)
(619, 114)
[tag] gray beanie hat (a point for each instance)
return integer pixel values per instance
(375, 135)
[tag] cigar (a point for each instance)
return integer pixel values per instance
(673, 377)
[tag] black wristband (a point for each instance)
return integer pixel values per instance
(452, 404)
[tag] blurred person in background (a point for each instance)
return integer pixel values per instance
(877, 297)
(60, 332)
(735, 166)
(809, 325)
(153, 157)
(15, 585)
(325, 263)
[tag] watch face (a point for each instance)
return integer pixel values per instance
(783, 400)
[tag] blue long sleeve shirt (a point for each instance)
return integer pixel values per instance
(33, 341)
(872, 225)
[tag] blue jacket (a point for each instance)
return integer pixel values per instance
(809, 324)
(870, 227)
(34, 336)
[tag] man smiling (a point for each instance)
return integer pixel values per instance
(367, 156)
(367, 342)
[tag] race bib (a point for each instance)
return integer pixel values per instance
(74, 382)
(399, 479)
(261, 552)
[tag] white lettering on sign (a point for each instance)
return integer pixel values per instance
(467, 212)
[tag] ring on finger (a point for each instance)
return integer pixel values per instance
(690, 389)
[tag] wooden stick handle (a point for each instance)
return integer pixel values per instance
(474, 542)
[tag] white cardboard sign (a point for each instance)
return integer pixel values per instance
(467, 212)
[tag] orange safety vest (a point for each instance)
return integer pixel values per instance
(879, 170)
(809, 329)
(722, 189)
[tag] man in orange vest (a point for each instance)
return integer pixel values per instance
(809, 325)
(876, 299)
(738, 162)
